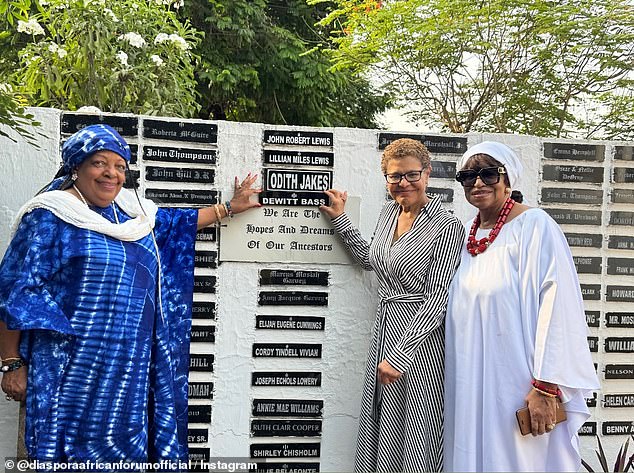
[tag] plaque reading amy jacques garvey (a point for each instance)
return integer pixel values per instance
(179, 155)
(575, 217)
(289, 322)
(298, 138)
(591, 292)
(588, 428)
(618, 400)
(200, 390)
(287, 408)
(299, 158)
(620, 294)
(205, 284)
(204, 310)
(576, 151)
(286, 378)
(184, 197)
(572, 196)
(293, 298)
(622, 218)
(285, 450)
(619, 345)
(618, 427)
(201, 362)
(180, 131)
(619, 371)
(199, 414)
(621, 266)
(563, 173)
(164, 174)
(285, 428)
(592, 318)
(619, 319)
(623, 175)
(203, 333)
(286, 350)
(616, 242)
(584, 240)
(286, 467)
(288, 277)
(435, 144)
(587, 264)
(125, 126)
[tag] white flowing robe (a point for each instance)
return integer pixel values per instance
(515, 313)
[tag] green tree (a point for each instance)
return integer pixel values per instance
(541, 67)
(261, 61)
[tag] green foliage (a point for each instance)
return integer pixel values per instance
(621, 464)
(125, 56)
(538, 67)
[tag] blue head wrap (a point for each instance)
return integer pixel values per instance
(88, 141)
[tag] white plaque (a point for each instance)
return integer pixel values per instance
(273, 234)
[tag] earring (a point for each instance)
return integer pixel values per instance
(507, 190)
(74, 176)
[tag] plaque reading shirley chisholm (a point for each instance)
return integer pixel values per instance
(587, 264)
(179, 155)
(285, 428)
(617, 242)
(286, 350)
(619, 319)
(287, 408)
(592, 318)
(619, 371)
(165, 174)
(623, 175)
(180, 131)
(201, 362)
(286, 378)
(584, 240)
(619, 345)
(561, 173)
(292, 298)
(298, 138)
(183, 197)
(299, 158)
(287, 277)
(620, 294)
(575, 217)
(125, 125)
(618, 427)
(591, 292)
(576, 151)
(572, 196)
(289, 322)
(618, 400)
(200, 390)
(285, 450)
(204, 310)
(435, 144)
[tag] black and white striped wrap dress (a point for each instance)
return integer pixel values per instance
(401, 424)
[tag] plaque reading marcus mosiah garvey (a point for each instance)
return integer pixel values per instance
(619, 345)
(286, 467)
(617, 242)
(165, 174)
(618, 400)
(620, 294)
(584, 240)
(201, 362)
(572, 196)
(204, 310)
(285, 428)
(180, 131)
(200, 414)
(286, 378)
(287, 408)
(287, 277)
(200, 390)
(562, 173)
(576, 151)
(179, 155)
(587, 264)
(285, 450)
(575, 217)
(618, 427)
(435, 144)
(184, 197)
(623, 175)
(591, 292)
(299, 158)
(619, 371)
(621, 266)
(292, 298)
(125, 126)
(592, 318)
(203, 333)
(619, 319)
(298, 138)
(289, 322)
(286, 350)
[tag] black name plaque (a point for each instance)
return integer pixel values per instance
(625, 153)
(621, 266)
(618, 427)
(572, 196)
(289, 322)
(584, 240)
(285, 428)
(205, 259)
(203, 333)
(299, 158)
(287, 277)
(622, 196)
(588, 428)
(201, 362)
(622, 218)
(619, 371)
(286, 350)
(562, 173)
(591, 292)
(287, 408)
(293, 199)
(298, 138)
(617, 242)
(207, 234)
(179, 155)
(286, 467)
(285, 450)
(290, 180)
(576, 151)
(293, 298)
(132, 179)
(125, 125)
(619, 345)
(204, 310)
(592, 318)
(184, 197)
(435, 144)
(587, 264)
(620, 294)
(618, 400)
(196, 390)
(197, 435)
(445, 195)
(575, 217)
(200, 414)
(166, 174)
(180, 131)
(286, 378)
(619, 319)
(593, 344)
(592, 401)
(623, 175)
(443, 169)
(205, 284)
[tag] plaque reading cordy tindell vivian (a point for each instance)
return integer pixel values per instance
(563, 173)
(200, 390)
(299, 158)
(572, 196)
(286, 378)
(125, 125)
(199, 413)
(165, 174)
(435, 144)
(285, 450)
(287, 408)
(619, 319)
(592, 318)
(288, 277)
(203, 310)
(286, 350)
(201, 362)
(289, 322)
(285, 428)
(180, 131)
(179, 155)
(292, 298)
(619, 345)
(584, 240)
(575, 217)
(576, 151)
(183, 197)
(298, 138)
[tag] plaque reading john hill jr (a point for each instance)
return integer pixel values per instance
(164, 174)
(576, 151)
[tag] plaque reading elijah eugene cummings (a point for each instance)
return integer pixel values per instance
(592, 318)
(285, 428)
(292, 298)
(622, 196)
(622, 218)
(289, 322)
(593, 344)
(618, 427)
(203, 333)
(618, 400)
(576, 151)
(617, 242)
(285, 450)
(184, 197)
(625, 153)
(206, 259)
(587, 264)
(619, 319)
(201, 362)
(287, 407)
(564, 173)
(204, 310)
(591, 292)
(445, 195)
(619, 345)
(199, 414)
(619, 371)
(286, 350)
(621, 266)
(575, 217)
(584, 240)
(588, 428)
(200, 390)
(179, 155)
(435, 144)
(286, 467)
(623, 175)
(298, 138)
(125, 126)
(299, 158)
(286, 378)
(443, 169)
(180, 131)
(288, 277)
(620, 294)
(164, 174)
(572, 196)
(197, 435)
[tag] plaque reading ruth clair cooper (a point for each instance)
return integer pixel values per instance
(299, 158)
(619, 345)
(201, 362)
(203, 333)
(292, 298)
(619, 371)
(183, 197)
(200, 414)
(286, 467)
(587, 264)
(572, 196)
(298, 138)
(591, 292)
(622, 218)
(445, 195)
(623, 175)
(620, 294)
(286, 350)
(621, 266)
(205, 284)
(443, 169)
(588, 428)
(616, 242)
(618, 400)
(165, 174)
(200, 390)
(286, 378)
(619, 319)
(285, 428)
(289, 322)
(575, 217)
(625, 427)
(293, 199)
(125, 126)
(584, 240)
(622, 196)
(287, 408)
(625, 153)
(435, 144)
(285, 450)
(576, 151)
(180, 131)
(197, 435)
(293, 277)
(205, 259)
(179, 155)
(562, 173)
(593, 344)
(204, 310)
(207, 234)
(593, 318)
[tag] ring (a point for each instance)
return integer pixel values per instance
(550, 426)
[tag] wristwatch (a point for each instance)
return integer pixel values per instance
(14, 365)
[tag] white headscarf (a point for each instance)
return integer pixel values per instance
(498, 151)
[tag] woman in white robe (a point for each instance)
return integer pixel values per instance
(515, 316)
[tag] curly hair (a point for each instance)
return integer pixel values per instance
(404, 148)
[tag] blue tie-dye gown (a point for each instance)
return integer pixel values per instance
(107, 376)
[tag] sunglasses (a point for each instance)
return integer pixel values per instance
(489, 176)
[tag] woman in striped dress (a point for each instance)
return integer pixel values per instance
(415, 252)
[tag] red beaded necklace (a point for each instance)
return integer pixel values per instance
(474, 246)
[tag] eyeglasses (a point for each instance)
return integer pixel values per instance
(411, 176)
(489, 176)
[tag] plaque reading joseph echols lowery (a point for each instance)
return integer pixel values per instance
(286, 378)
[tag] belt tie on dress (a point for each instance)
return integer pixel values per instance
(380, 349)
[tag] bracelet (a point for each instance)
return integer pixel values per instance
(14, 365)
(218, 217)
(544, 393)
(228, 209)
(542, 388)
(2, 360)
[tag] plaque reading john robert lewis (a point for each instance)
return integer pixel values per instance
(164, 174)
(617, 242)
(562, 173)
(285, 450)
(287, 408)
(584, 240)
(286, 378)
(435, 144)
(180, 131)
(619, 345)
(298, 138)
(179, 155)
(299, 158)
(292, 298)
(285, 428)
(575, 217)
(289, 322)
(619, 319)
(572, 196)
(576, 151)
(620, 293)
(288, 277)
(286, 350)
